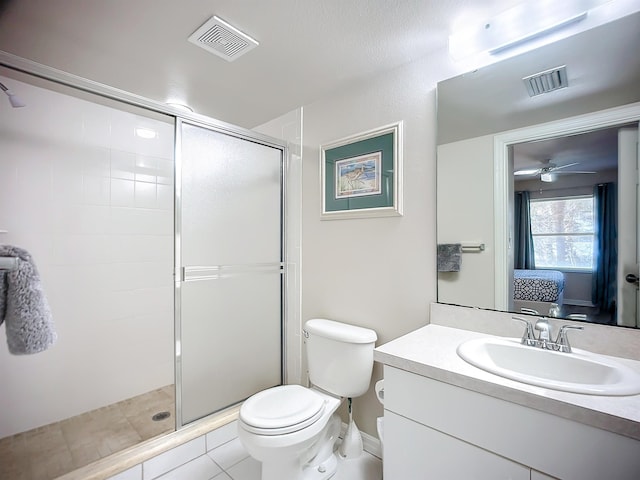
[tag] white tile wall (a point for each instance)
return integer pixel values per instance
(203, 458)
(134, 473)
(221, 435)
(174, 458)
(93, 203)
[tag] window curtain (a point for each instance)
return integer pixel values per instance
(604, 285)
(522, 238)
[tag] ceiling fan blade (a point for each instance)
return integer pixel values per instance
(554, 168)
(570, 173)
(528, 171)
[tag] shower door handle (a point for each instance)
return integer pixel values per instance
(191, 273)
(631, 278)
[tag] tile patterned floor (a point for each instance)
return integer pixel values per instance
(47, 452)
(230, 461)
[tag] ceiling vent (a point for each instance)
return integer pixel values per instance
(222, 39)
(547, 81)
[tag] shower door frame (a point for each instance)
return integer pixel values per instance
(178, 273)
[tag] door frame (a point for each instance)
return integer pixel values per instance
(503, 260)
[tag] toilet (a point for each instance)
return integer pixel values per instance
(292, 430)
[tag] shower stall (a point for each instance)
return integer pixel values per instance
(160, 241)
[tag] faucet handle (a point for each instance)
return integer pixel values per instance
(563, 339)
(528, 338)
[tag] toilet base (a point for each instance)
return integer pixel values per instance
(323, 471)
(318, 462)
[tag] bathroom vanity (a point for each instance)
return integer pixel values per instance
(446, 419)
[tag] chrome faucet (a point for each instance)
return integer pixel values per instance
(544, 337)
(529, 337)
(561, 344)
(563, 340)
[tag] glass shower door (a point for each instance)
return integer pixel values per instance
(229, 275)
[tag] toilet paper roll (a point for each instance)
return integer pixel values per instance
(380, 428)
(379, 389)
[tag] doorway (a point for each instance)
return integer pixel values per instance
(504, 191)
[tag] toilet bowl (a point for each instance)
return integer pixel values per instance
(292, 430)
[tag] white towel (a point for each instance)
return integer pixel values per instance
(23, 306)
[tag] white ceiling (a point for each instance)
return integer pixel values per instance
(595, 151)
(308, 48)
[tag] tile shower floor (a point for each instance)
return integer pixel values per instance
(50, 451)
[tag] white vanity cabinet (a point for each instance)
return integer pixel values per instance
(415, 451)
(435, 430)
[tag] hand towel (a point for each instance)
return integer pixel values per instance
(23, 306)
(449, 257)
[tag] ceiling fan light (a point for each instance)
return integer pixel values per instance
(547, 177)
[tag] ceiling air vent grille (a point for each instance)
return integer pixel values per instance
(547, 81)
(222, 39)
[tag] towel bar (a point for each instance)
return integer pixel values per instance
(8, 263)
(478, 247)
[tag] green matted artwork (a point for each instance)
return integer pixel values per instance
(361, 176)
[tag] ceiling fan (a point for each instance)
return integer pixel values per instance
(549, 171)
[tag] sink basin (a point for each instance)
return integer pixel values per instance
(577, 372)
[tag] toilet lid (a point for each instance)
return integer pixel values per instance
(282, 407)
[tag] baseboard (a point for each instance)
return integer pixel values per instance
(370, 444)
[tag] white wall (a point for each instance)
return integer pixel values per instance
(93, 203)
(380, 272)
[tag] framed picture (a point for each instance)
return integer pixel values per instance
(361, 176)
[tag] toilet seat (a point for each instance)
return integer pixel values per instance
(281, 410)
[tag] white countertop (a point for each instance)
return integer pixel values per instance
(430, 351)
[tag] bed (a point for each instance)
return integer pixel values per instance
(537, 290)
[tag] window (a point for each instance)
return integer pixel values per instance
(563, 232)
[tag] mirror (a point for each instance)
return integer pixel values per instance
(490, 128)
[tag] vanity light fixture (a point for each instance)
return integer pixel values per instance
(518, 25)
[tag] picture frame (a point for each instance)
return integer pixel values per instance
(361, 175)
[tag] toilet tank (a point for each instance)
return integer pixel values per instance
(339, 356)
